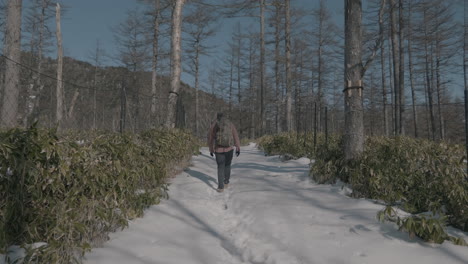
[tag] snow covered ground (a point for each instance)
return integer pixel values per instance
(271, 213)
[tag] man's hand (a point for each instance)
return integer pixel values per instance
(237, 153)
(211, 154)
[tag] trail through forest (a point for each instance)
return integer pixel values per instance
(271, 213)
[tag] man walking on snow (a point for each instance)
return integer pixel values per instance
(222, 135)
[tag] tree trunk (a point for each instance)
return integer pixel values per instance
(382, 65)
(12, 51)
(277, 64)
(401, 74)
(37, 86)
(392, 86)
(72, 104)
(428, 80)
(231, 79)
(354, 127)
(396, 65)
(238, 66)
(154, 64)
(262, 67)
(59, 92)
(288, 65)
(252, 89)
(197, 100)
(320, 69)
(96, 68)
(465, 48)
(411, 70)
(176, 67)
(439, 93)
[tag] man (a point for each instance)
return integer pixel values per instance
(222, 135)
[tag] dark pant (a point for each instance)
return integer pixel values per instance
(223, 159)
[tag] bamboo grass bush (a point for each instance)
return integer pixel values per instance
(424, 178)
(70, 193)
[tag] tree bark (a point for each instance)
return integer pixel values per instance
(12, 51)
(197, 100)
(429, 80)
(34, 93)
(238, 66)
(176, 67)
(154, 64)
(465, 48)
(401, 74)
(252, 89)
(396, 65)
(354, 123)
(277, 64)
(262, 67)
(59, 91)
(411, 70)
(382, 65)
(288, 65)
(231, 79)
(439, 92)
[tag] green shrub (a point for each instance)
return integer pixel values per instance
(70, 193)
(296, 145)
(414, 174)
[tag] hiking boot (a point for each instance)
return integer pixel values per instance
(219, 190)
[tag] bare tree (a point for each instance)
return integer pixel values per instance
(354, 134)
(175, 62)
(277, 23)
(199, 26)
(40, 12)
(354, 71)
(401, 69)
(133, 53)
(12, 51)
(287, 26)
(396, 64)
(465, 79)
(60, 109)
(154, 63)
(411, 69)
(324, 34)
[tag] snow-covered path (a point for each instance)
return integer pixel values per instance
(271, 213)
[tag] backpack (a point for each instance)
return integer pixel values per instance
(224, 136)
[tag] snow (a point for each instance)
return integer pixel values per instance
(271, 213)
(16, 253)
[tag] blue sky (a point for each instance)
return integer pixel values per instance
(87, 21)
(90, 20)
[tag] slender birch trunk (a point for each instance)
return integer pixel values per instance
(396, 65)
(59, 91)
(197, 99)
(288, 65)
(154, 64)
(176, 60)
(382, 65)
(238, 66)
(411, 70)
(12, 50)
(429, 80)
(262, 67)
(401, 74)
(231, 79)
(277, 64)
(354, 121)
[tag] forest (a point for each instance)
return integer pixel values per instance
(280, 70)
(370, 91)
